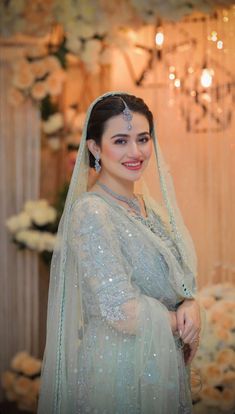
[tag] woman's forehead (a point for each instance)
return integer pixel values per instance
(118, 125)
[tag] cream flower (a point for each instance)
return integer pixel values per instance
(39, 68)
(91, 52)
(55, 82)
(212, 373)
(39, 90)
(18, 359)
(36, 51)
(226, 357)
(8, 380)
(211, 396)
(73, 44)
(43, 216)
(31, 366)
(30, 205)
(23, 78)
(53, 124)
(52, 63)
(84, 30)
(18, 222)
(22, 386)
(15, 97)
(48, 241)
(31, 238)
(227, 400)
(54, 143)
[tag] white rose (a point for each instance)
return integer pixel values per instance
(53, 124)
(18, 222)
(33, 204)
(91, 52)
(48, 241)
(43, 216)
(84, 30)
(73, 44)
(30, 238)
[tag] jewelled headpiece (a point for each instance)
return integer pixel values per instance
(127, 115)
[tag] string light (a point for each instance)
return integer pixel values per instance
(220, 44)
(213, 36)
(177, 83)
(171, 76)
(159, 38)
(206, 77)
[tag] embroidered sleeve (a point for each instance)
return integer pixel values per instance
(103, 269)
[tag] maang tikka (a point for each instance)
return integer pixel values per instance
(127, 115)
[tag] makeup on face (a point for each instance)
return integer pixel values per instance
(125, 153)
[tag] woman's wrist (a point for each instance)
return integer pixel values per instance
(173, 321)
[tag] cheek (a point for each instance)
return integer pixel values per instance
(148, 150)
(111, 152)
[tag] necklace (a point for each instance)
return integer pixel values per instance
(133, 203)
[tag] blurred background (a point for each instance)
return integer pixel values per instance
(55, 58)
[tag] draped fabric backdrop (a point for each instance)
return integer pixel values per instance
(202, 164)
(19, 182)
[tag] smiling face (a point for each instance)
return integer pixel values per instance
(124, 153)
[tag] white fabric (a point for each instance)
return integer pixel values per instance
(19, 182)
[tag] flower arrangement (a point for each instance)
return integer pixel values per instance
(34, 228)
(81, 16)
(21, 382)
(215, 360)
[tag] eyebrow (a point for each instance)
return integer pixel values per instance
(128, 136)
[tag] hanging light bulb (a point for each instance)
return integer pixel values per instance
(159, 38)
(206, 77)
(177, 83)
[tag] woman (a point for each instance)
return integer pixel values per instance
(122, 319)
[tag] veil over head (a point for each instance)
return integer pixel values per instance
(65, 320)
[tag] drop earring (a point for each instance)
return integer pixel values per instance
(97, 164)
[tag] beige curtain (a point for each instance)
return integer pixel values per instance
(19, 182)
(202, 164)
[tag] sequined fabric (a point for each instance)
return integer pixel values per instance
(129, 273)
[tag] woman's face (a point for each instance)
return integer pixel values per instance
(125, 153)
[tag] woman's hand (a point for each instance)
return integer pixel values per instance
(188, 320)
(189, 326)
(173, 322)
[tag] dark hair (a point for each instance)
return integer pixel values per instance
(112, 106)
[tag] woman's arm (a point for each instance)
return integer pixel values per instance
(189, 326)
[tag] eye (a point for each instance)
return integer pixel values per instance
(144, 139)
(120, 141)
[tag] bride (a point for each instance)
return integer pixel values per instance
(123, 323)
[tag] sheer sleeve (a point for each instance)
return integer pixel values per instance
(104, 271)
(140, 351)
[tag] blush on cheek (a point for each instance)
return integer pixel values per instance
(112, 152)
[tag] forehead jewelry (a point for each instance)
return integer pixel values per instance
(127, 115)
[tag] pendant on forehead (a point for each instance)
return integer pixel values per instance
(127, 115)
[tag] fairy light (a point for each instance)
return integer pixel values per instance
(206, 77)
(177, 83)
(220, 44)
(171, 76)
(159, 38)
(213, 36)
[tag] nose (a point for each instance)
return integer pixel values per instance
(134, 150)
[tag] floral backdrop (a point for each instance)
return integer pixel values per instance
(56, 36)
